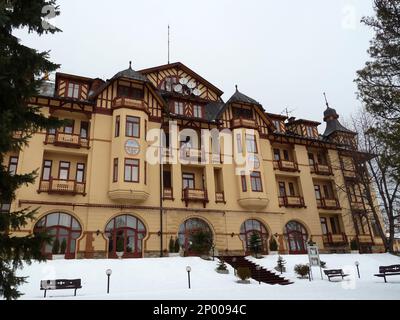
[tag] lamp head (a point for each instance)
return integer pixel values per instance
(357, 263)
(188, 269)
(108, 272)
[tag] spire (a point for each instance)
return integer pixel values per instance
(332, 123)
(236, 88)
(326, 101)
(130, 64)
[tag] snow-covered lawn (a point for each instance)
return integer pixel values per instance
(166, 278)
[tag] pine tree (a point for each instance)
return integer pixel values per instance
(280, 265)
(20, 71)
(171, 244)
(379, 90)
(176, 245)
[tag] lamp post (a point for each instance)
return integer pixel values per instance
(188, 269)
(108, 273)
(258, 268)
(358, 269)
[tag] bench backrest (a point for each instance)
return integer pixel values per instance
(333, 271)
(60, 284)
(392, 268)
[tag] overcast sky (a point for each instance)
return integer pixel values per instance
(282, 53)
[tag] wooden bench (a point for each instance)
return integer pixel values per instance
(385, 271)
(60, 284)
(335, 273)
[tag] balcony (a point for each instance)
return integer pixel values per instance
(365, 239)
(191, 154)
(349, 174)
(324, 170)
(356, 203)
(69, 140)
(168, 193)
(335, 239)
(194, 195)
(328, 204)
(71, 187)
(220, 197)
(291, 202)
(123, 102)
(243, 123)
(285, 165)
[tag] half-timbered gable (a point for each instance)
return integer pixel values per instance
(279, 122)
(304, 128)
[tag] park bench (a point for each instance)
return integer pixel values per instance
(335, 273)
(60, 284)
(385, 271)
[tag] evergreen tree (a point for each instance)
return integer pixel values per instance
(171, 244)
(21, 69)
(177, 245)
(255, 243)
(280, 265)
(379, 89)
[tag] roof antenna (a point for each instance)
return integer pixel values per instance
(287, 112)
(130, 64)
(168, 43)
(326, 101)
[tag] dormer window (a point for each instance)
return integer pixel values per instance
(73, 90)
(277, 125)
(310, 131)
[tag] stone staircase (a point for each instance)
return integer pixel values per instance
(262, 275)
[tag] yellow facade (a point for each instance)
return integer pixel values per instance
(121, 112)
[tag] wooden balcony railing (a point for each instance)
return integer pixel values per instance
(285, 165)
(335, 239)
(220, 197)
(320, 169)
(291, 202)
(330, 204)
(365, 239)
(199, 195)
(62, 186)
(243, 123)
(168, 193)
(127, 102)
(67, 140)
(191, 154)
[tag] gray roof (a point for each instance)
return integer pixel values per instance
(47, 89)
(332, 123)
(130, 74)
(240, 97)
(213, 110)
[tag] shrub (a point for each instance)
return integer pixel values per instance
(222, 265)
(322, 264)
(63, 246)
(273, 245)
(302, 270)
(120, 245)
(171, 244)
(176, 245)
(243, 273)
(56, 246)
(354, 244)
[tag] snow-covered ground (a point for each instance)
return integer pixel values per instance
(166, 278)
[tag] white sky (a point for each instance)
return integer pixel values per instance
(282, 53)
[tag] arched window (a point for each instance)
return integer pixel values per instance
(188, 232)
(126, 231)
(63, 227)
(296, 236)
(250, 227)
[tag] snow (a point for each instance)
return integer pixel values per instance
(166, 278)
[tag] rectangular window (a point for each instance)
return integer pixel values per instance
(292, 191)
(255, 179)
(167, 179)
(324, 225)
(178, 108)
(115, 170)
(277, 155)
(132, 128)
(117, 125)
(310, 131)
(277, 125)
(286, 155)
(251, 143)
(5, 207)
(12, 165)
(197, 111)
(63, 170)
(327, 193)
(52, 131)
(334, 225)
(80, 172)
(242, 113)
(317, 191)
(188, 180)
(69, 128)
(282, 189)
(130, 92)
(46, 173)
(73, 90)
(84, 129)
(131, 170)
(243, 181)
(239, 142)
(311, 159)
